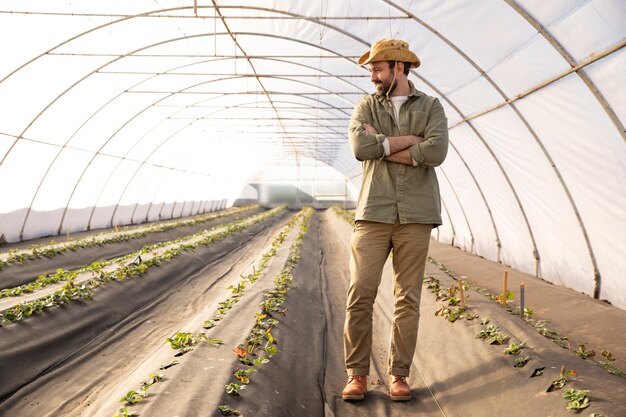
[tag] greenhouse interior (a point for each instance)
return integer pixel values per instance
(313, 208)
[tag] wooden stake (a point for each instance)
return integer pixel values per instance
(521, 298)
(68, 235)
(253, 270)
(462, 293)
(504, 288)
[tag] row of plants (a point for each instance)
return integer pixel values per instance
(605, 360)
(183, 342)
(53, 248)
(577, 399)
(84, 290)
(95, 267)
(260, 346)
(344, 214)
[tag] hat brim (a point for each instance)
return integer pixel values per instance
(390, 54)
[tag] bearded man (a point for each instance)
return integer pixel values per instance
(399, 134)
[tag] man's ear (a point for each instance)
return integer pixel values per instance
(399, 67)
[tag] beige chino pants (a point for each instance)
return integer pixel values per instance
(371, 243)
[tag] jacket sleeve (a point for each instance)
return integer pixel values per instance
(364, 145)
(433, 150)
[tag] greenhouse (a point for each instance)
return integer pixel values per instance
(313, 208)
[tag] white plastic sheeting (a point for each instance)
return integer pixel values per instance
(121, 112)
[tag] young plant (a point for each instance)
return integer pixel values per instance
(578, 398)
(227, 411)
(233, 389)
(562, 341)
(499, 339)
(514, 348)
(133, 397)
(488, 332)
(123, 412)
(243, 375)
(521, 362)
(584, 353)
(564, 377)
(183, 341)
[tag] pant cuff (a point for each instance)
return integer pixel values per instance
(358, 371)
(399, 371)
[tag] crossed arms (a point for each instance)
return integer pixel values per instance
(398, 146)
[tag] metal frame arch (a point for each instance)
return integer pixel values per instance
(531, 131)
(445, 207)
(185, 155)
(114, 60)
(605, 105)
(483, 198)
(456, 197)
(175, 133)
(543, 31)
(120, 57)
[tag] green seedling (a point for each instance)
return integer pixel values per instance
(208, 324)
(153, 379)
(183, 341)
(243, 375)
(451, 315)
(260, 361)
(612, 369)
(133, 397)
(509, 296)
(488, 332)
(607, 355)
(564, 377)
(562, 341)
(584, 353)
(521, 362)
(578, 398)
(271, 350)
(538, 372)
(233, 389)
(528, 312)
(227, 411)
(514, 348)
(499, 339)
(123, 412)
(484, 321)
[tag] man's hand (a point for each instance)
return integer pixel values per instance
(370, 129)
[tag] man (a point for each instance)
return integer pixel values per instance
(400, 134)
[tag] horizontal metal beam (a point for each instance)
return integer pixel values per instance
(590, 60)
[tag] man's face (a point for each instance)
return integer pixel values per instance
(382, 77)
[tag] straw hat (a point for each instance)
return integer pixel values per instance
(390, 50)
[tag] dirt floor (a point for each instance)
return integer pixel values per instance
(80, 360)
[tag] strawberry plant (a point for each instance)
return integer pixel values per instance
(227, 411)
(521, 362)
(578, 398)
(584, 353)
(133, 397)
(183, 341)
(233, 389)
(565, 376)
(123, 412)
(243, 375)
(514, 348)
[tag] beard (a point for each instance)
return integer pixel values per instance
(383, 86)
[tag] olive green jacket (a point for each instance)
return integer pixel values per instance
(390, 190)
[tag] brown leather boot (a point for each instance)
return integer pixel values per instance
(356, 388)
(399, 390)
